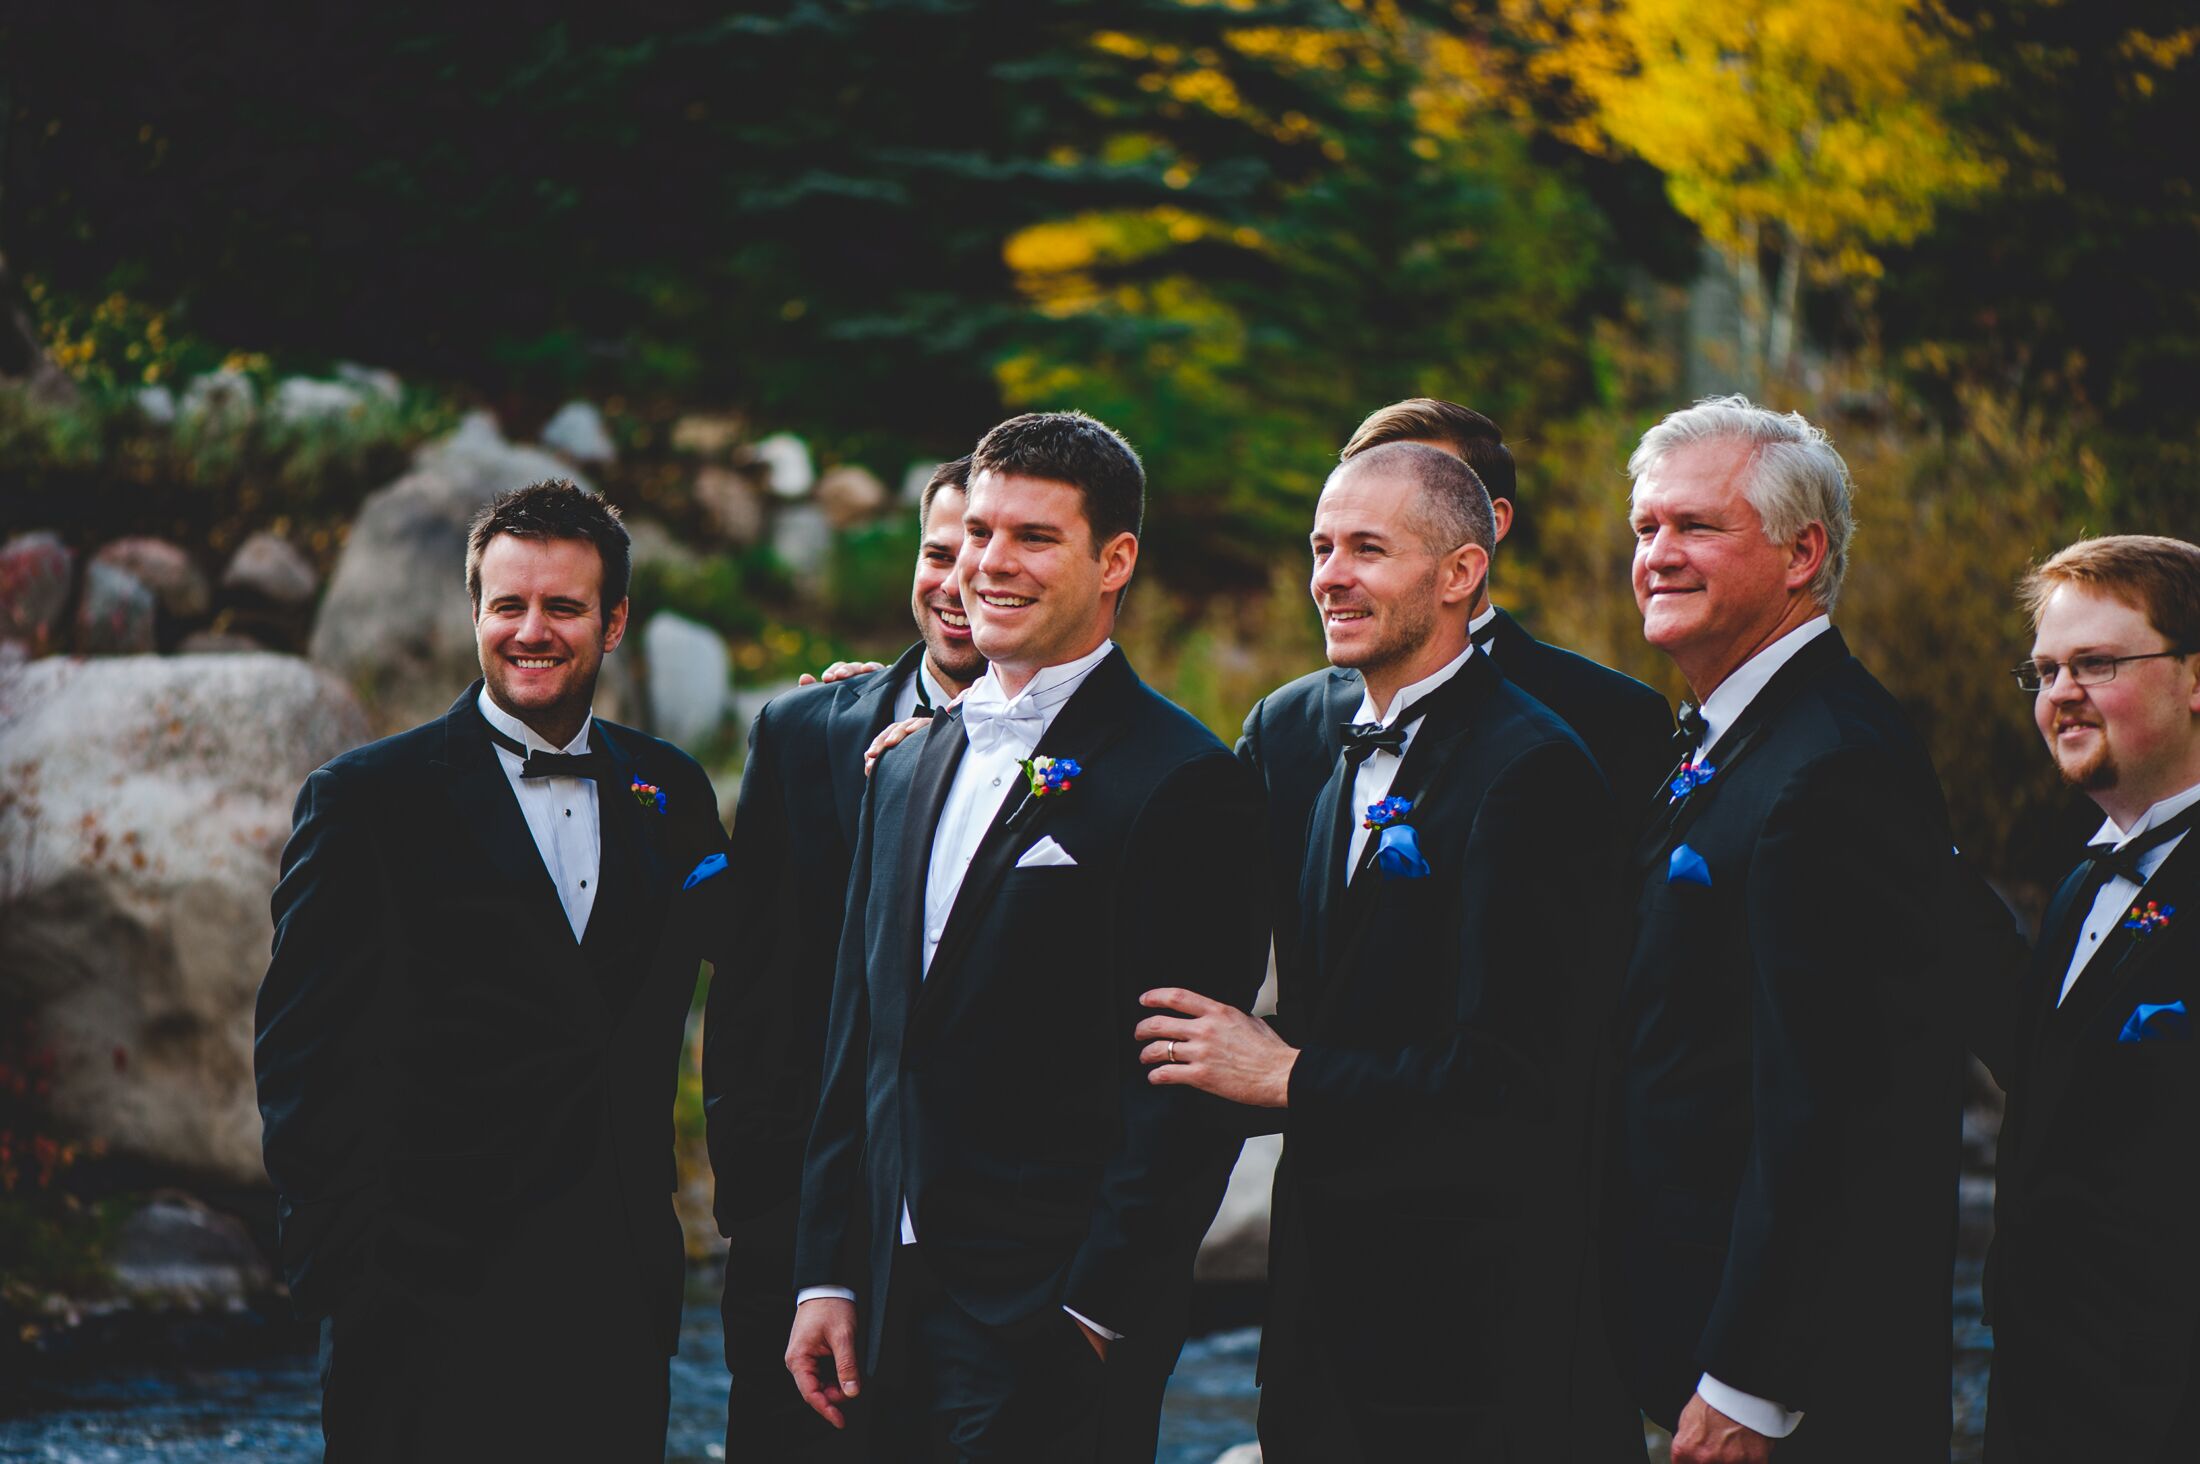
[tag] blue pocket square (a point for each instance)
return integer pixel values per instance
(712, 865)
(1687, 867)
(2148, 1022)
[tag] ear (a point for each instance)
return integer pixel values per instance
(614, 626)
(1464, 570)
(1501, 515)
(1806, 556)
(1118, 557)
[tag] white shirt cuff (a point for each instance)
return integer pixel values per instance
(820, 1293)
(1747, 1409)
(1088, 1321)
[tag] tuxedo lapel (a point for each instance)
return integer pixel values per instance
(939, 753)
(854, 720)
(2123, 955)
(631, 880)
(1087, 723)
(1669, 825)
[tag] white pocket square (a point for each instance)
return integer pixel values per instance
(1046, 854)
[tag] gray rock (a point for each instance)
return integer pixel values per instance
(302, 399)
(705, 434)
(375, 382)
(221, 398)
(850, 494)
(1236, 1247)
(267, 566)
(156, 404)
(178, 1251)
(395, 621)
(731, 502)
(688, 675)
(913, 480)
(146, 801)
(802, 537)
(578, 432)
(651, 543)
(114, 616)
(786, 462)
(166, 570)
(35, 571)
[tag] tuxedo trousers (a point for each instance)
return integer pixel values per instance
(766, 1420)
(953, 1390)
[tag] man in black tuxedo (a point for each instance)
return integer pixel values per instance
(487, 933)
(794, 831)
(1436, 1057)
(1788, 1127)
(1626, 724)
(2093, 1298)
(993, 1195)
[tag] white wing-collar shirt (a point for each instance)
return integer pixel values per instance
(1371, 781)
(2117, 895)
(561, 813)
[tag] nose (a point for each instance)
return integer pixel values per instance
(534, 627)
(1661, 550)
(2064, 689)
(996, 558)
(1331, 573)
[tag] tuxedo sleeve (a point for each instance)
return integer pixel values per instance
(1189, 912)
(748, 1024)
(315, 1035)
(825, 1254)
(1841, 916)
(1538, 909)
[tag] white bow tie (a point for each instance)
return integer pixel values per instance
(991, 726)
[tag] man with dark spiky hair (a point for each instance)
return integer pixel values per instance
(794, 832)
(993, 1196)
(486, 939)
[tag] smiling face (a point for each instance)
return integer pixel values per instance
(1383, 593)
(2129, 742)
(1712, 589)
(1037, 593)
(936, 597)
(541, 630)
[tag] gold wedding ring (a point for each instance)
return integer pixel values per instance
(1172, 1050)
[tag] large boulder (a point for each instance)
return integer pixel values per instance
(114, 616)
(268, 567)
(731, 503)
(165, 569)
(35, 570)
(578, 432)
(1236, 1247)
(143, 804)
(787, 466)
(395, 621)
(688, 673)
(850, 494)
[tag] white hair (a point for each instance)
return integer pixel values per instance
(1793, 479)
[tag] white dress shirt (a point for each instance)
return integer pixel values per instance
(2116, 897)
(561, 813)
(988, 771)
(1371, 781)
(935, 695)
(1728, 700)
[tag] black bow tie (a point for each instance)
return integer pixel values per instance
(2110, 860)
(589, 764)
(1690, 729)
(1362, 740)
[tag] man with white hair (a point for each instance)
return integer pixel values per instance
(1783, 1211)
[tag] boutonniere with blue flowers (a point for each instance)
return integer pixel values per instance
(1045, 778)
(649, 795)
(1692, 775)
(1397, 847)
(2148, 919)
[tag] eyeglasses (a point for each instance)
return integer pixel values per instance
(2084, 670)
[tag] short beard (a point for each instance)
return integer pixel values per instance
(2095, 774)
(1410, 632)
(957, 661)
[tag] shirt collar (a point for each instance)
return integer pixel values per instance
(2168, 808)
(1732, 696)
(1046, 692)
(1476, 625)
(525, 735)
(935, 695)
(1413, 693)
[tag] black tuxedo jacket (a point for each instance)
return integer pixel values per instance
(1785, 1213)
(2093, 1297)
(794, 833)
(1628, 726)
(1002, 1094)
(445, 1074)
(1431, 1229)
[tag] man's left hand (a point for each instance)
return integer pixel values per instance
(1707, 1436)
(1215, 1048)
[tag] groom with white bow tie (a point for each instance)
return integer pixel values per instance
(1025, 867)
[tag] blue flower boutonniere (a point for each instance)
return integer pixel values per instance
(649, 795)
(1051, 776)
(2146, 920)
(1693, 775)
(1397, 847)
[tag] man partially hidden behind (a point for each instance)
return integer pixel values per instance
(1628, 726)
(2093, 1298)
(794, 832)
(992, 1194)
(487, 934)
(1436, 1057)
(1790, 1099)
